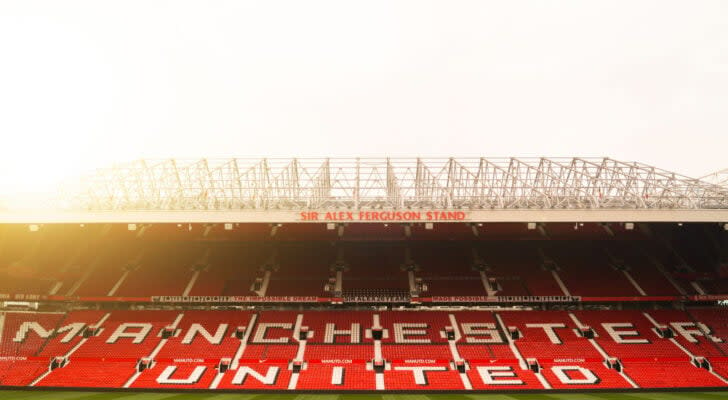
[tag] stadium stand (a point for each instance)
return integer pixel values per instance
(279, 307)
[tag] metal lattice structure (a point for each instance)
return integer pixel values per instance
(396, 183)
(717, 178)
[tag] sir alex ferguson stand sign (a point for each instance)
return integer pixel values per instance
(378, 216)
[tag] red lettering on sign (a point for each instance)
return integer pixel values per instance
(309, 216)
(445, 215)
(384, 216)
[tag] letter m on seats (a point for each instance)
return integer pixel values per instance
(26, 327)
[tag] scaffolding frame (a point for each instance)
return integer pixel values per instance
(394, 183)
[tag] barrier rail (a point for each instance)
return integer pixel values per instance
(315, 299)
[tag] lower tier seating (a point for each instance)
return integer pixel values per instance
(21, 373)
(365, 350)
(663, 374)
(90, 374)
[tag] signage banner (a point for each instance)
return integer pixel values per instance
(500, 299)
(235, 299)
(709, 297)
(629, 298)
(386, 216)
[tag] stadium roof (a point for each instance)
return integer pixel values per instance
(479, 183)
(274, 189)
(717, 178)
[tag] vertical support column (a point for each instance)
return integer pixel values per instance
(697, 287)
(634, 283)
(191, 283)
(664, 273)
(118, 283)
(338, 286)
(264, 286)
(560, 283)
(412, 286)
(486, 285)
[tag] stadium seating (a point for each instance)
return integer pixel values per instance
(317, 322)
(22, 373)
(502, 376)
(303, 269)
(149, 378)
(671, 375)
(447, 270)
(718, 323)
(376, 266)
(162, 271)
(548, 334)
(585, 270)
(19, 325)
(587, 375)
(207, 260)
(637, 261)
(353, 377)
(518, 268)
(229, 269)
(637, 338)
(419, 350)
(207, 334)
(83, 373)
(691, 333)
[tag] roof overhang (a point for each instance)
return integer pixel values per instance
(396, 183)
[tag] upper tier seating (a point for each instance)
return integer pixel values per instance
(229, 269)
(207, 260)
(304, 269)
(517, 267)
(447, 269)
(636, 258)
(584, 270)
(374, 266)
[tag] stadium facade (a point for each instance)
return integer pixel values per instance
(370, 274)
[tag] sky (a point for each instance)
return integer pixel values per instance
(87, 84)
